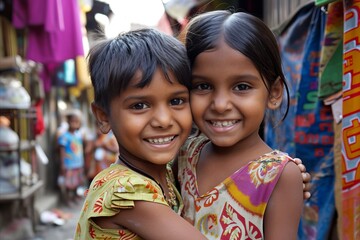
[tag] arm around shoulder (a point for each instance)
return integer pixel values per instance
(284, 209)
(156, 221)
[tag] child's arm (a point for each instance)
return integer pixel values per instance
(152, 221)
(284, 208)
(62, 160)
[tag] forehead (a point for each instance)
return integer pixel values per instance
(74, 118)
(158, 84)
(223, 62)
(138, 81)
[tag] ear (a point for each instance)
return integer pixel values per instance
(101, 118)
(276, 94)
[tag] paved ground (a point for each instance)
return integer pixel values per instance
(64, 232)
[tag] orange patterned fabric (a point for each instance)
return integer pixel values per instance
(351, 122)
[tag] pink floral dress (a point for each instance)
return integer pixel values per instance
(235, 208)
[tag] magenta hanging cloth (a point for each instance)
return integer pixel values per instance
(54, 29)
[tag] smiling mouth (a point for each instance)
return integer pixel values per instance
(223, 123)
(164, 140)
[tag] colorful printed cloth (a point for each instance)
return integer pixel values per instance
(113, 189)
(54, 29)
(351, 122)
(330, 71)
(235, 208)
(307, 131)
(74, 153)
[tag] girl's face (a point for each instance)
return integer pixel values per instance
(229, 98)
(150, 123)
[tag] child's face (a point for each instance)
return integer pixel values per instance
(74, 123)
(151, 123)
(229, 98)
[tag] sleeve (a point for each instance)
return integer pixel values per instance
(134, 188)
(118, 189)
(62, 139)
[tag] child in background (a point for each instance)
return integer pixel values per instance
(234, 186)
(105, 152)
(70, 143)
(141, 82)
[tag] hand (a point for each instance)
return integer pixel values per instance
(306, 178)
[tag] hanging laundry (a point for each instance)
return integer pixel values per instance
(54, 34)
(307, 132)
(330, 72)
(351, 122)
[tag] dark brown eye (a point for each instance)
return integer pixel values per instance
(139, 106)
(176, 101)
(242, 87)
(202, 86)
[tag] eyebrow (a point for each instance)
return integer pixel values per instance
(237, 77)
(139, 97)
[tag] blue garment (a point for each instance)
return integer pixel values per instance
(73, 144)
(307, 131)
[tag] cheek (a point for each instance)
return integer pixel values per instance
(198, 104)
(196, 110)
(185, 119)
(189, 121)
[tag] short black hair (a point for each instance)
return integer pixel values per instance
(113, 62)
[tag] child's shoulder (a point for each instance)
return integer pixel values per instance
(275, 156)
(122, 180)
(118, 173)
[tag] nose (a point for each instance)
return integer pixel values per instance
(162, 117)
(221, 101)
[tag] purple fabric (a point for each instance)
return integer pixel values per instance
(57, 35)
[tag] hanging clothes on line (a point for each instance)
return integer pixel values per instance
(54, 34)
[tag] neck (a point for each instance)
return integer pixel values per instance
(162, 180)
(156, 173)
(134, 168)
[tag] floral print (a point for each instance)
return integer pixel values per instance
(108, 194)
(235, 208)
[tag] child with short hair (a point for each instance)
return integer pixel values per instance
(71, 156)
(141, 82)
(234, 186)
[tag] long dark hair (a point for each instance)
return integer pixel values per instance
(243, 32)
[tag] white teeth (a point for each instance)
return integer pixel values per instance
(161, 140)
(223, 123)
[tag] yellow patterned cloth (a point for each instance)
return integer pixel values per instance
(112, 190)
(235, 208)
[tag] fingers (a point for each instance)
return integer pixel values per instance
(307, 195)
(306, 177)
(300, 165)
(306, 185)
(297, 161)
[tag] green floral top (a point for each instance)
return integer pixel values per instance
(113, 189)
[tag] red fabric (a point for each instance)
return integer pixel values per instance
(39, 125)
